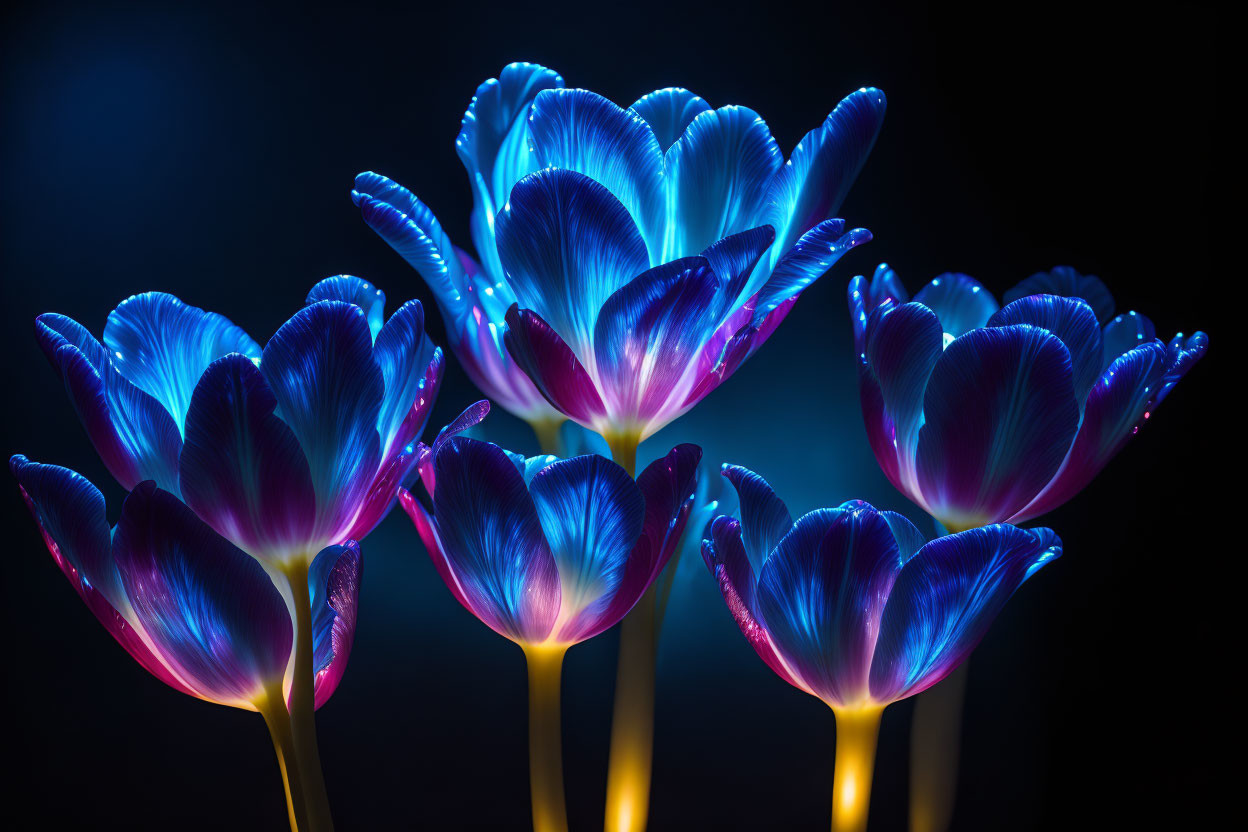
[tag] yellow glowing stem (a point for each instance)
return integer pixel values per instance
(272, 707)
(934, 739)
(857, 730)
(624, 450)
(547, 431)
(632, 725)
(546, 738)
(303, 705)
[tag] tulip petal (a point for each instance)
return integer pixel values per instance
(903, 344)
(734, 257)
(414, 232)
(803, 263)
(470, 417)
(350, 289)
(1182, 354)
(406, 357)
(591, 512)
(813, 183)
(550, 363)
(133, 433)
(1116, 408)
(210, 609)
(717, 177)
(334, 587)
(489, 530)
(821, 595)
(242, 468)
(647, 337)
(960, 302)
(581, 131)
(865, 296)
(668, 112)
(329, 390)
(1070, 319)
(909, 539)
(568, 245)
(1065, 281)
(765, 519)
(1123, 334)
(944, 601)
(1000, 414)
(163, 346)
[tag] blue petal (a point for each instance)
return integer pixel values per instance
(568, 245)
(403, 352)
(591, 512)
(212, 612)
(813, 183)
(493, 540)
(903, 344)
(1070, 319)
(70, 512)
(734, 257)
(1123, 334)
(493, 144)
(414, 232)
(350, 289)
(1001, 414)
(909, 539)
(960, 301)
(944, 601)
(334, 588)
(329, 390)
(717, 177)
(765, 519)
(242, 468)
(163, 346)
(1182, 353)
(1065, 281)
(581, 131)
(668, 112)
(821, 595)
(804, 263)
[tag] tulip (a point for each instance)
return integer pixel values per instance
(283, 451)
(851, 606)
(981, 414)
(193, 609)
(547, 553)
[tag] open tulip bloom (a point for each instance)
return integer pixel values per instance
(983, 414)
(283, 451)
(851, 606)
(629, 308)
(547, 553)
(193, 609)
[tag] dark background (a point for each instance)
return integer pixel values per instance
(210, 154)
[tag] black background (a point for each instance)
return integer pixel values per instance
(210, 154)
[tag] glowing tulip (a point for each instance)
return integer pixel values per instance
(190, 607)
(547, 553)
(684, 175)
(851, 606)
(283, 451)
(983, 414)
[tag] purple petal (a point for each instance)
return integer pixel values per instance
(717, 176)
(1070, 319)
(765, 519)
(1065, 281)
(668, 112)
(821, 596)
(944, 601)
(553, 367)
(472, 416)
(427, 529)
(865, 296)
(354, 290)
(492, 538)
(334, 586)
(406, 358)
(210, 609)
(568, 245)
(242, 468)
(329, 390)
(960, 302)
(163, 346)
(1001, 414)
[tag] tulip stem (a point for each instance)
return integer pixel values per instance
(272, 707)
(547, 431)
(303, 705)
(632, 724)
(857, 731)
(623, 450)
(546, 738)
(934, 739)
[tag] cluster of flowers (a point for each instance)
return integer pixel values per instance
(628, 261)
